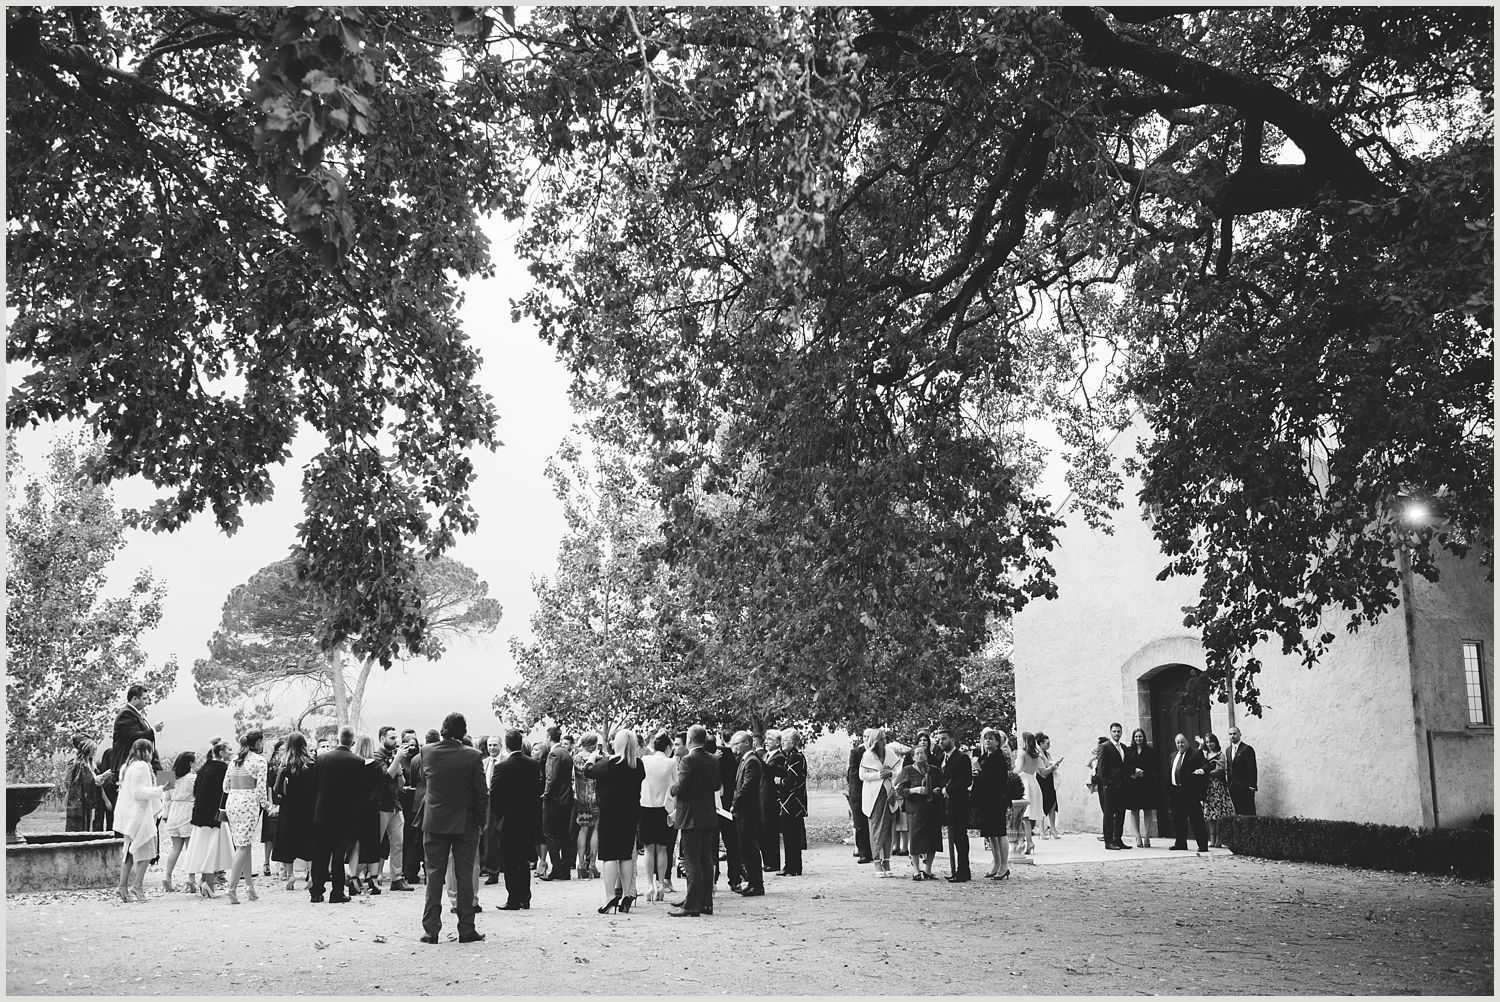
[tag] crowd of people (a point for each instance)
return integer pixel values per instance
(452, 812)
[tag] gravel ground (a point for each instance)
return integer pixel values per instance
(1217, 925)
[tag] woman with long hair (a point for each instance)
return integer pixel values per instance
(179, 818)
(585, 804)
(136, 811)
(364, 854)
(244, 798)
(1046, 779)
(1140, 787)
(539, 750)
(617, 788)
(1217, 804)
(296, 794)
(918, 784)
(83, 800)
(992, 794)
(876, 768)
(1029, 761)
(269, 816)
(209, 851)
(657, 807)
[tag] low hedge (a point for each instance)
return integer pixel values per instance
(1464, 852)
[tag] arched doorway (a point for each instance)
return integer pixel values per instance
(1173, 713)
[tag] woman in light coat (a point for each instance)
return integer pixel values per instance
(875, 770)
(136, 810)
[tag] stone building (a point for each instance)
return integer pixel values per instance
(1393, 726)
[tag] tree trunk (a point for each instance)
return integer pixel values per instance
(357, 701)
(337, 687)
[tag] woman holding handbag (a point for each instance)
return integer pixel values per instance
(918, 784)
(208, 851)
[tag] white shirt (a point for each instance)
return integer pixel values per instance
(1176, 765)
(656, 791)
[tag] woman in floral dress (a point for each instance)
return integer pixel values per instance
(1217, 804)
(244, 798)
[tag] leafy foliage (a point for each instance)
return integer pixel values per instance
(833, 266)
(597, 661)
(199, 263)
(70, 649)
(267, 645)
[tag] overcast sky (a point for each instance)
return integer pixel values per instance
(520, 522)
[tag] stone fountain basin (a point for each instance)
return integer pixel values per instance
(63, 861)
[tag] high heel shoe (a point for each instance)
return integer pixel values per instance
(232, 899)
(250, 891)
(1004, 875)
(625, 903)
(610, 905)
(205, 889)
(167, 886)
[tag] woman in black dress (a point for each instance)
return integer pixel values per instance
(617, 789)
(1140, 786)
(992, 796)
(918, 784)
(1046, 779)
(296, 793)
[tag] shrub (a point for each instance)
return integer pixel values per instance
(1464, 852)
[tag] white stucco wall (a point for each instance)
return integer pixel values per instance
(1456, 757)
(1336, 741)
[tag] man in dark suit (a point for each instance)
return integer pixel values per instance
(452, 815)
(729, 765)
(773, 767)
(1241, 773)
(697, 819)
(557, 810)
(516, 817)
(857, 815)
(958, 776)
(130, 726)
(342, 785)
(1112, 776)
(791, 796)
(1187, 780)
(747, 816)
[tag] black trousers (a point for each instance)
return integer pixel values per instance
(556, 820)
(437, 846)
(731, 838)
(770, 840)
(1244, 799)
(331, 842)
(489, 860)
(958, 838)
(700, 854)
(794, 835)
(1114, 814)
(515, 861)
(861, 826)
(749, 833)
(1187, 813)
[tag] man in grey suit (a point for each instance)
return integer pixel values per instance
(456, 806)
(698, 821)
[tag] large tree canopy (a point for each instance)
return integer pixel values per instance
(831, 261)
(266, 648)
(201, 261)
(824, 269)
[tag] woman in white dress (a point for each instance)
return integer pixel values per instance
(180, 818)
(244, 798)
(136, 809)
(209, 852)
(1030, 760)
